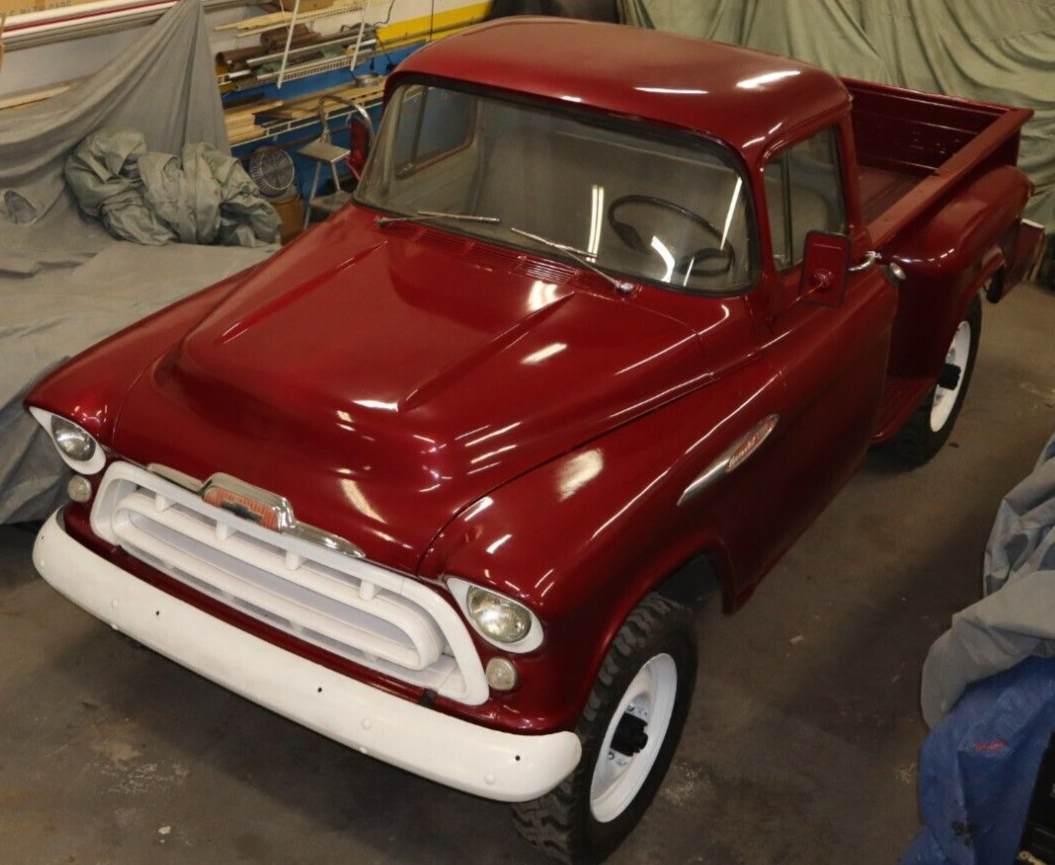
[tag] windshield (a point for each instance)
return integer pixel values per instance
(667, 209)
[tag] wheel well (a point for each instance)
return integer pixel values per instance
(692, 582)
(995, 291)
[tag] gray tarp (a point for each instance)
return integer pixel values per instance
(201, 196)
(64, 282)
(1016, 619)
(993, 50)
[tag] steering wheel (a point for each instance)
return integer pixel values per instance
(632, 239)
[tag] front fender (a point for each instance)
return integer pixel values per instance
(583, 538)
(91, 388)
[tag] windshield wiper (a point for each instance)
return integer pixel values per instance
(421, 215)
(580, 255)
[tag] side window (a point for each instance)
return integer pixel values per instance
(804, 193)
(433, 124)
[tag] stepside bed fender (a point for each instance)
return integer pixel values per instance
(948, 256)
(1022, 244)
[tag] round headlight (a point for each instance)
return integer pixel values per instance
(72, 440)
(498, 618)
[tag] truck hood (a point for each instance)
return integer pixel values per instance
(384, 378)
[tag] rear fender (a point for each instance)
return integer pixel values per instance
(948, 256)
(992, 267)
(1023, 245)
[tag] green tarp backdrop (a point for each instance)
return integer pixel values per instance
(993, 50)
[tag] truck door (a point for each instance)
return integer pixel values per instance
(833, 358)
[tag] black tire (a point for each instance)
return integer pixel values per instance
(561, 823)
(918, 441)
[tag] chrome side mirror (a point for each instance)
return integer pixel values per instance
(825, 268)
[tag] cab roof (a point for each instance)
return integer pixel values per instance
(741, 96)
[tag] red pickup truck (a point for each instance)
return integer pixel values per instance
(441, 479)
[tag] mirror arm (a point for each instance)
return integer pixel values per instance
(871, 257)
(893, 270)
(355, 106)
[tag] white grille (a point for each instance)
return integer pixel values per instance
(348, 606)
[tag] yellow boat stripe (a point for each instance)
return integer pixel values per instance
(395, 35)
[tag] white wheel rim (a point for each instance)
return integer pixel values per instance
(617, 778)
(945, 398)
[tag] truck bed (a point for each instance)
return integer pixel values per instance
(881, 188)
(914, 148)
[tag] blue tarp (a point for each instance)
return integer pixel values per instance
(978, 768)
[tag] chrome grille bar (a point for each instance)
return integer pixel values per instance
(347, 605)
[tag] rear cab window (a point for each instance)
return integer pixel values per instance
(433, 124)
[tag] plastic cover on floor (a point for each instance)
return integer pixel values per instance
(200, 196)
(64, 282)
(1015, 619)
(989, 690)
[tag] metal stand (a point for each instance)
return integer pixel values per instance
(324, 152)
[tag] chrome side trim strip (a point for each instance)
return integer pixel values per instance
(736, 454)
(714, 471)
(286, 522)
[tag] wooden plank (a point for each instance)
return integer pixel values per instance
(348, 91)
(241, 121)
(250, 110)
(273, 19)
(249, 122)
(247, 134)
(282, 19)
(28, 97)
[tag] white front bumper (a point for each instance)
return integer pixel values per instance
(490, 763)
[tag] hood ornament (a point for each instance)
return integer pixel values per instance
(257, 505)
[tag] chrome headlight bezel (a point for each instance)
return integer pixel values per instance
(531, 640)
(58, 428)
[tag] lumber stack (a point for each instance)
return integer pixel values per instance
(260, 23)
(242, 122)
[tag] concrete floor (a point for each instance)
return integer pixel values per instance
(801, 748)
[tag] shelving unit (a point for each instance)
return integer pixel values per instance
(364, 35)
(262, 23)
(303, 114)
(252, 76)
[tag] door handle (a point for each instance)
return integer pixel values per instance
(893, 270)
(871, 257)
